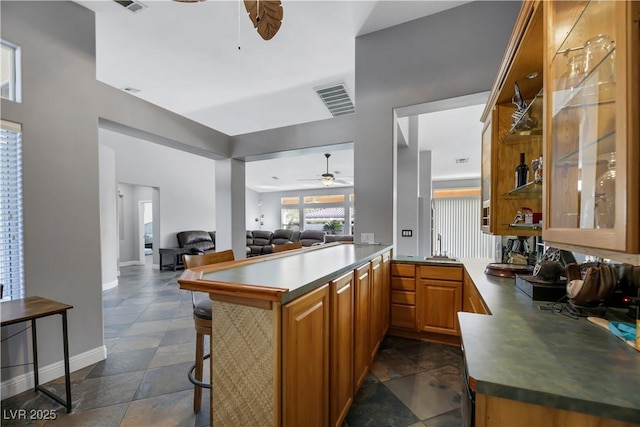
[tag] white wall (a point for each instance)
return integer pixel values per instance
(185, 181)
(108, 218)
(253, 209)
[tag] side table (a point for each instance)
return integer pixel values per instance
(33, 308)
(175, 256)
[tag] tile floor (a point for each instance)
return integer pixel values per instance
(149, 334)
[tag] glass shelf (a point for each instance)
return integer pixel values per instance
(522, 226)
(595, 18)
(583, 93)
(520, 131)
(608, 142)
(530, 189)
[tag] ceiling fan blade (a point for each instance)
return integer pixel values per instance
(266, 16)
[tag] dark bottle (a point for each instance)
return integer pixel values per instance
(522, 172)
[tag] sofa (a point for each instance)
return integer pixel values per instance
(330, 238)
(197, 241)
(259, 241)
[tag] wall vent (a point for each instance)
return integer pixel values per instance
(131, 5)
(130, 89)
(336, 98)
(462, 160)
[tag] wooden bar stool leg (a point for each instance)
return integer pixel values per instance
(197, 390)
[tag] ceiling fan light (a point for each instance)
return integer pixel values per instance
(327, 181)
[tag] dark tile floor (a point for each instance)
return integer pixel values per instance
(150, 338)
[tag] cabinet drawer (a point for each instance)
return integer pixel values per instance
(403, 316)
(403, 284)
(442, 273)
(404, 270)
(403, 297)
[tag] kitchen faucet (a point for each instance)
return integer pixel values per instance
(439, 245)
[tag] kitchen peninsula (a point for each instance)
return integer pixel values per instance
(289, 327)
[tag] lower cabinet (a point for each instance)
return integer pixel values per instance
(403, 293)
(361, 324)
(329, 339)
(472, 302)
(439, 299)
(341, 358)
(305, 360)
(375, 325)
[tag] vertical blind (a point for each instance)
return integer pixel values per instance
(457, 219)
(11, 254)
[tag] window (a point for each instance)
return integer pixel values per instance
(11, 254)
(290, 200)
(330, 220)
(337, 198)
(290, 218)
(9, 71)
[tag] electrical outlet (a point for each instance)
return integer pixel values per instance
(366, 238)
(407, 233)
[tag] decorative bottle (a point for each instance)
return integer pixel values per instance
(522, 172)
(605, 196)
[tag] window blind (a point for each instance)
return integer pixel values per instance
(457, 219)
(11, 233)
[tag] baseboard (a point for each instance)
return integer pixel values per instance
(110, 285)
(130, 263)
(24, 382)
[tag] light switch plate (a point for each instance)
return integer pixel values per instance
(407, 233)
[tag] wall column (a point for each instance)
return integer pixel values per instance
(230, 207)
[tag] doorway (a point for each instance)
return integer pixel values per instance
(145, 225)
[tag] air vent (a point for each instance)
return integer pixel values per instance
(130, 89)
(131, 6)
(336, 98)
(462, 160)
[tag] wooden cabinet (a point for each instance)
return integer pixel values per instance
(472, 302)
(403, 296)
(439, 299)
(592, 128)
(509, 132)
(342, 345)
(305, 360)
(375, 325)
(362, 318)
(386, 294)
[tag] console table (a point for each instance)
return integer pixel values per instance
(175, 254)
(33, 308)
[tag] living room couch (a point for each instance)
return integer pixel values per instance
(198, 241)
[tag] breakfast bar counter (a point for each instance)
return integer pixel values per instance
(280, 321)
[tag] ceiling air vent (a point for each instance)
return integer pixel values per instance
(336, 98)
(131, 6)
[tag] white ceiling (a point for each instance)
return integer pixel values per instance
(185, 57)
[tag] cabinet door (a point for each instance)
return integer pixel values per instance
(305, 360)
(362, 320)
(438, 302)
(375, 324)
(592, 131)
(386, 294)
(485, 189)
(341, 363)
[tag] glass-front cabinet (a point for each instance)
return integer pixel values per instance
(592, 153)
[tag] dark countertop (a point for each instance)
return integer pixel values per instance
(405, 259)
(300, 272)
(523, 353)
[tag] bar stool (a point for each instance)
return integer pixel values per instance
(202, 320)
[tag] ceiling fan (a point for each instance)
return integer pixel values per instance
(328, 178)
(266, 15)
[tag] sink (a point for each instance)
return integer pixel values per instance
(440, 258)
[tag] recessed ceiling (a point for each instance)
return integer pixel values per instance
(205, 61)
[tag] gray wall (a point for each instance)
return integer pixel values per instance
(61, 107)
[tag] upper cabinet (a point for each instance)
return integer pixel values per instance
(513, 132)
(592, 146)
